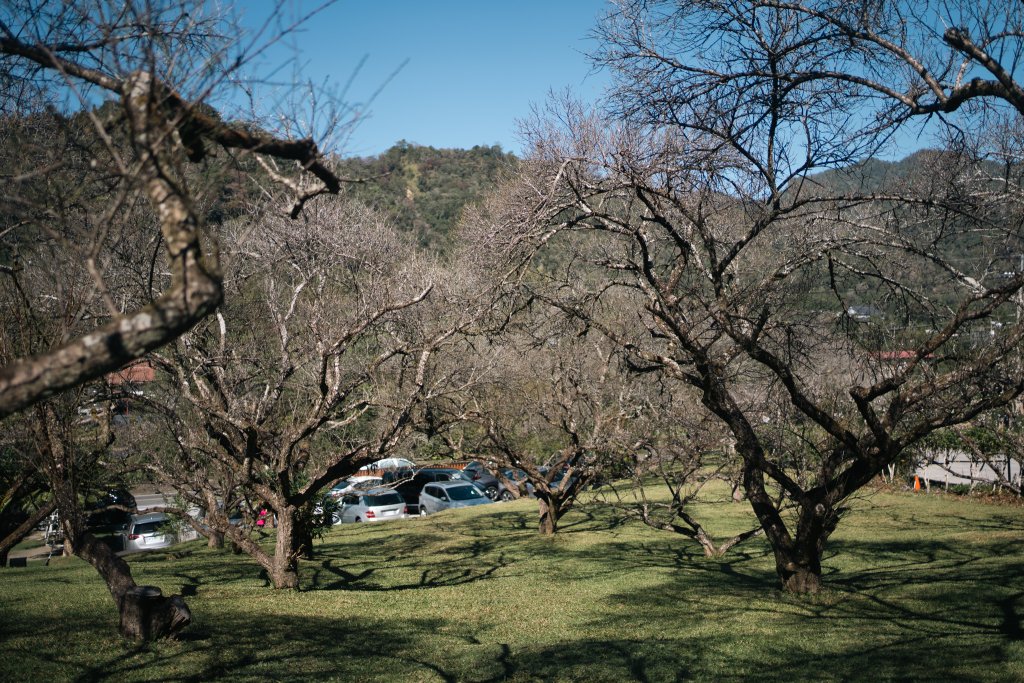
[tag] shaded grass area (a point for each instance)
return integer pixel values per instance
(919, 588)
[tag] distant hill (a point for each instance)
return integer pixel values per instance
(423, 189)
(875, 175)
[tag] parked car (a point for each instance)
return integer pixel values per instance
(360, 482)
(376, 505)
(389, 464)
(445, 495)
(409, 483)
(492, 486)
(101, 516)
(560, 482)
(148, 531)
(519, 477)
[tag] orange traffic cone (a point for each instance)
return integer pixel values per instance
(917, 483)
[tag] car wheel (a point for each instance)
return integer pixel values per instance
(423, 511)
(491, 492)
(357, 520)
(507, 496)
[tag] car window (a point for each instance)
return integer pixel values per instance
(430, 491)
(385, 499)
(350, 499)
(464, 493)
(149, 527)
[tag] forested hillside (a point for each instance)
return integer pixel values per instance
(424, 189)
(926, 174)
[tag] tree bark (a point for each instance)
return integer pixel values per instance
(798, 560)
(284, 572)
(215, 539)
(145, 613)
(302, 539)
(549, 515)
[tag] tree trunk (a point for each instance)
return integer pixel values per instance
(801, 580)
(548, 517)
(215, 539)
(798, 567)
(145, 613)
(303, 541)
(285, 569)
(798, 561)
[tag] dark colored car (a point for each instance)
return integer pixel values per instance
(492, 486)
(104, 512)
(410, 483)
(521, 480)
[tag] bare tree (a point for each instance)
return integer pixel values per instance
(151, 65)
(698, 196)
(686, 455)
(111, 156)
(315, 366)
(553, 408)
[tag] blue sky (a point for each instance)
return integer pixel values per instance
(473, 69)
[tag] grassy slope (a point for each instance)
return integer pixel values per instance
(921, 588)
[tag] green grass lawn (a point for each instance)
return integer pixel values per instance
(919, 588)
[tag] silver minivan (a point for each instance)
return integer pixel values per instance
(444, 495)
(148, 531)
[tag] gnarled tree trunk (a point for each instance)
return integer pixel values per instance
(146, 614)
(550, 511)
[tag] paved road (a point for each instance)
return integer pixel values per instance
(144, 501)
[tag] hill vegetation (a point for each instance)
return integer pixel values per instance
(423, 189)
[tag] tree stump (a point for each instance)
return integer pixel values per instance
(147, 615)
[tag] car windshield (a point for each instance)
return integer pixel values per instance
(385, 499)
(464, 493)
(149, 527)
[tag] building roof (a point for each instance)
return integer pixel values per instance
(139, 372)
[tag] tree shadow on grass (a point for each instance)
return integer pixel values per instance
(236, 646)
(926, 611)
(479, 561)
